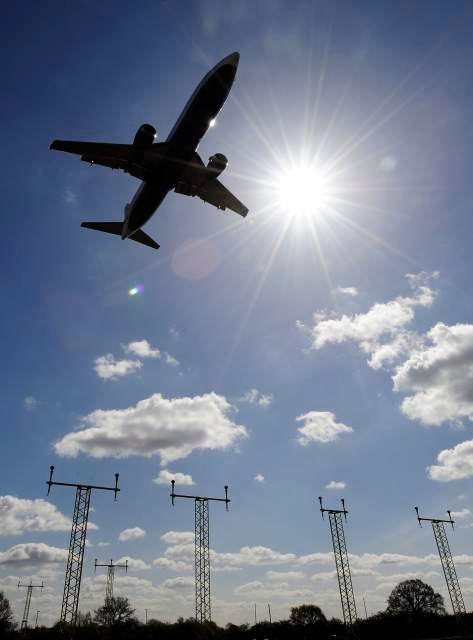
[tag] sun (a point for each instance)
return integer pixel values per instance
(303, 190)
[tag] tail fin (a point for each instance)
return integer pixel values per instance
(116, 228)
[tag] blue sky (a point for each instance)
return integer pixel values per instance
(249, 330)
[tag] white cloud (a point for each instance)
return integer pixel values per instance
(32, 553)
(172, 565)
(30, 403)
(336, 485)
(19, 514)
(182, 582)
(377, 332)
(285, 576)
(253, 556)
(131, 534)
(440, 375)
(460, 515)
(103, 544)
(166, 476)
(156, 426)
(348, 291)
(259, 477)
(320, 426)
(170, 360)
(142, 349)
(134, 563)
(453, 464)
(253, 396)
(108, 368)
(178, 537)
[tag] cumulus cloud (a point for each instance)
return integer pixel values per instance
(453, 464)
(178, 537)
(320, 426)
(253, 396)
(336, 485)
(182, 582)
(171, 428)
(172, 565)
(142, 349)
(253, 556)
(284, 576)
(348, 291)
(32, 553)
(131, 534)
(379, 331)
(440, 376)
(134, 563)
(259, 477)
(19, 514)
(108, 368)
(166, 476)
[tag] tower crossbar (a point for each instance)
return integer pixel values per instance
(446, 560)
(75, 558)
(203, 607)
(29, 592)
(110, 575)
(342, 565)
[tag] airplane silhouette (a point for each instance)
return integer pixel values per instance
(170, 165)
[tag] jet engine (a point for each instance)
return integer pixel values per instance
(145, 136)
(217, 163)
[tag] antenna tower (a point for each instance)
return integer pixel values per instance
(440, 535)
(345, 585)
(110, 575)
(29, 592)
(75, 560)
(203, 611)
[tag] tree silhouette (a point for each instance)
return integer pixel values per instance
(115, 611)
(6, 615)
(307, 614)
(414, 597)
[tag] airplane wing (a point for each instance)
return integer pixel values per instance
(116, 156)
(215, 193)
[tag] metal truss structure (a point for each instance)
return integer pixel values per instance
(203, 608)
(446, 559)
(110, 575)
(75, 559)
(29, 593)
(347, 595)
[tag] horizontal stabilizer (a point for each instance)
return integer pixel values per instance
(116, 228)
(106, 227)
(143, 238)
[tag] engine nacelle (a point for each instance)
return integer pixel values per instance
(145, 136)
(217, 163)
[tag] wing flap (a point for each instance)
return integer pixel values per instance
(215, 193)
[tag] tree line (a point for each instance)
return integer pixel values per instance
(414, 610)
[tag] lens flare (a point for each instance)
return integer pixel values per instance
(134, 291)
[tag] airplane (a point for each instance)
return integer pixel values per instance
(170, 165)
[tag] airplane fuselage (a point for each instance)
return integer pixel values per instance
(171, 160)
